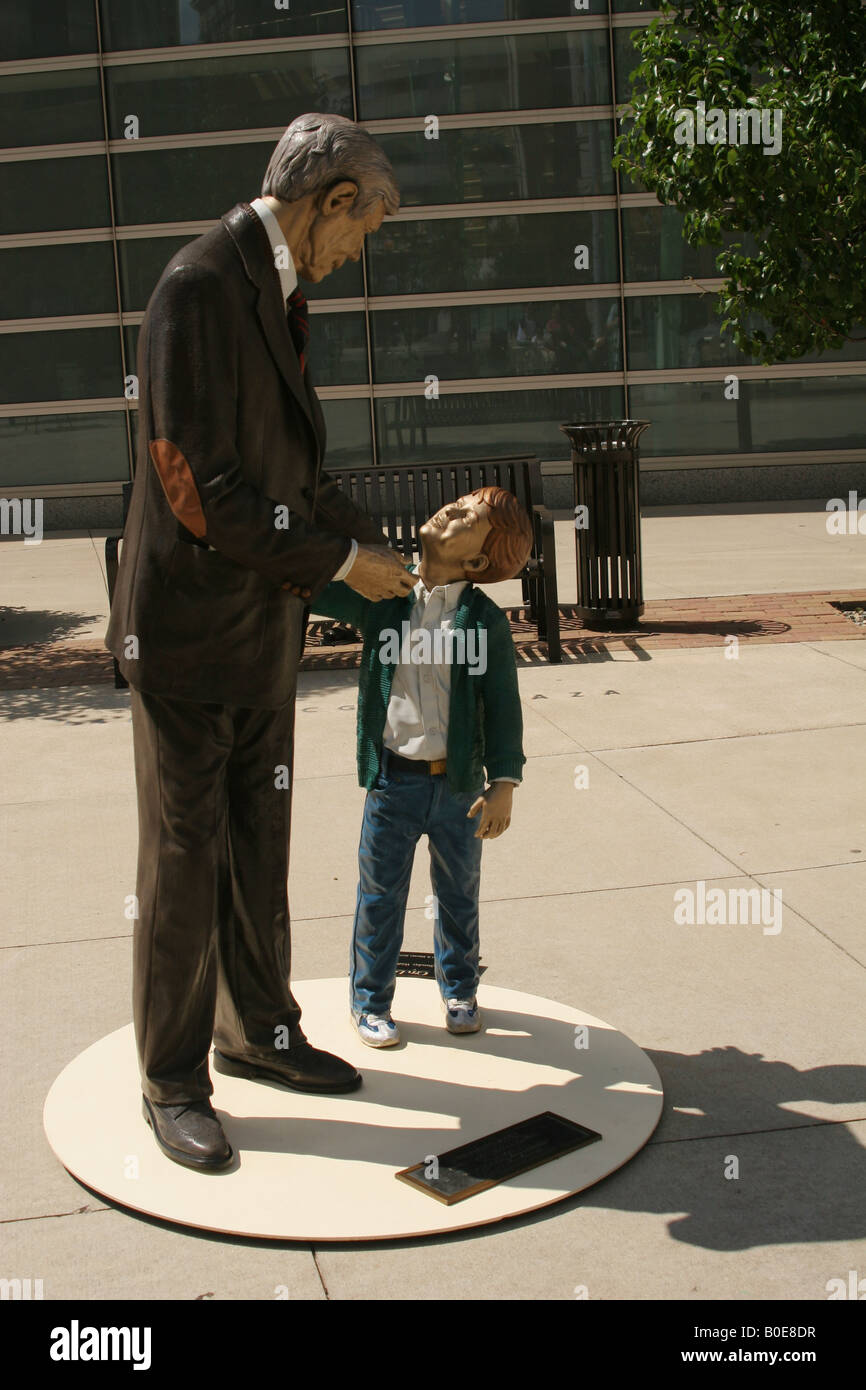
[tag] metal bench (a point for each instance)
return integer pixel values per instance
(400, 497)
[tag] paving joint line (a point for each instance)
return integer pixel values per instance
(627, 747)
(833, 656)
(747, 1133)
(677, 819)
(566, 893)
(64, 941)
(53, 1215)
(836, 944)
(511, 898)
(743, 872)
(715, 738)
(325, 1288)
(751, 876)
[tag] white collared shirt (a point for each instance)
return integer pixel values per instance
(285, 268)
(416, 724)
(283, 261)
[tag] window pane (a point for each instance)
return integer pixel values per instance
(413, 14)
(349, 434)
(625, 58)
(77, 190)
(808, 413)
(43, 281)
(672, 331)
(490, 253)
(627, 184)
(531, 339)
(43, 31)
(50, 108)
(687, 418)
(564, 159)
(494, 73)
(338, 349)
(67, 364)
(249, 92)
(187, 185)
(852, 351)
(654, 248)
(168, 23)
(677, 330)
(39, 449)
(411, 429)
(773, 416)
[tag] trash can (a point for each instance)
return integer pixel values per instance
(605, 458)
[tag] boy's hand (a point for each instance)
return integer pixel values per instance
(495, 808)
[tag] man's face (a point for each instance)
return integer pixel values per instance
(335, 237)
(457, 532)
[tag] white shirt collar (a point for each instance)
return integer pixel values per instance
(449, 593)
(283, 262)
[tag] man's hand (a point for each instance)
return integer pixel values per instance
(379, 573)
(495, 808)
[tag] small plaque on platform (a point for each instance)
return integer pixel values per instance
(482, 1163)
(419, 964)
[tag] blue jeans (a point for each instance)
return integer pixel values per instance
(399, 809)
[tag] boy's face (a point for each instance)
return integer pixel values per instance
(456, 534)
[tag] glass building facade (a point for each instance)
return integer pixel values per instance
(520, 271)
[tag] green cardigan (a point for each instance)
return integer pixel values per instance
(485, 724)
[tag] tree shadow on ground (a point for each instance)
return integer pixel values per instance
(66, 704)
(25, 627)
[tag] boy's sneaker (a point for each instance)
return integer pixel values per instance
(376, 1030)
(462, 1016)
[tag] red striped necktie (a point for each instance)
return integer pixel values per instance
(299, 324)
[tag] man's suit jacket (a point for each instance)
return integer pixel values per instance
(230, 443)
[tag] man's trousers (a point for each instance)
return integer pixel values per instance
(212, 951)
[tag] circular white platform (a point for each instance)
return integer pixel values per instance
(321, 1168)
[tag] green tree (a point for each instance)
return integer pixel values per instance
(805, 206)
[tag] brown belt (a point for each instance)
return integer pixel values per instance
(419, 765)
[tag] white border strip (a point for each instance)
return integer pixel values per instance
(486, 385)
(674, 462)
(393, 125)
(430, 211)
(364, 38)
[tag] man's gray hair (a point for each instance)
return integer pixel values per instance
(319, 150)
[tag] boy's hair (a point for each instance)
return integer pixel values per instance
(508, 543)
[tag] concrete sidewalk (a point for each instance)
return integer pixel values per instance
(738, 773)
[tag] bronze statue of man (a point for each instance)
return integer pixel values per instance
(233, 527)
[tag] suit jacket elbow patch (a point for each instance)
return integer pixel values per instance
(178, 484)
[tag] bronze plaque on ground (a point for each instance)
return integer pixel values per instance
(484, 1162)
(420, 964)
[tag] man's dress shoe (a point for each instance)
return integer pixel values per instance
(301, 1068)
(190, 1134)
